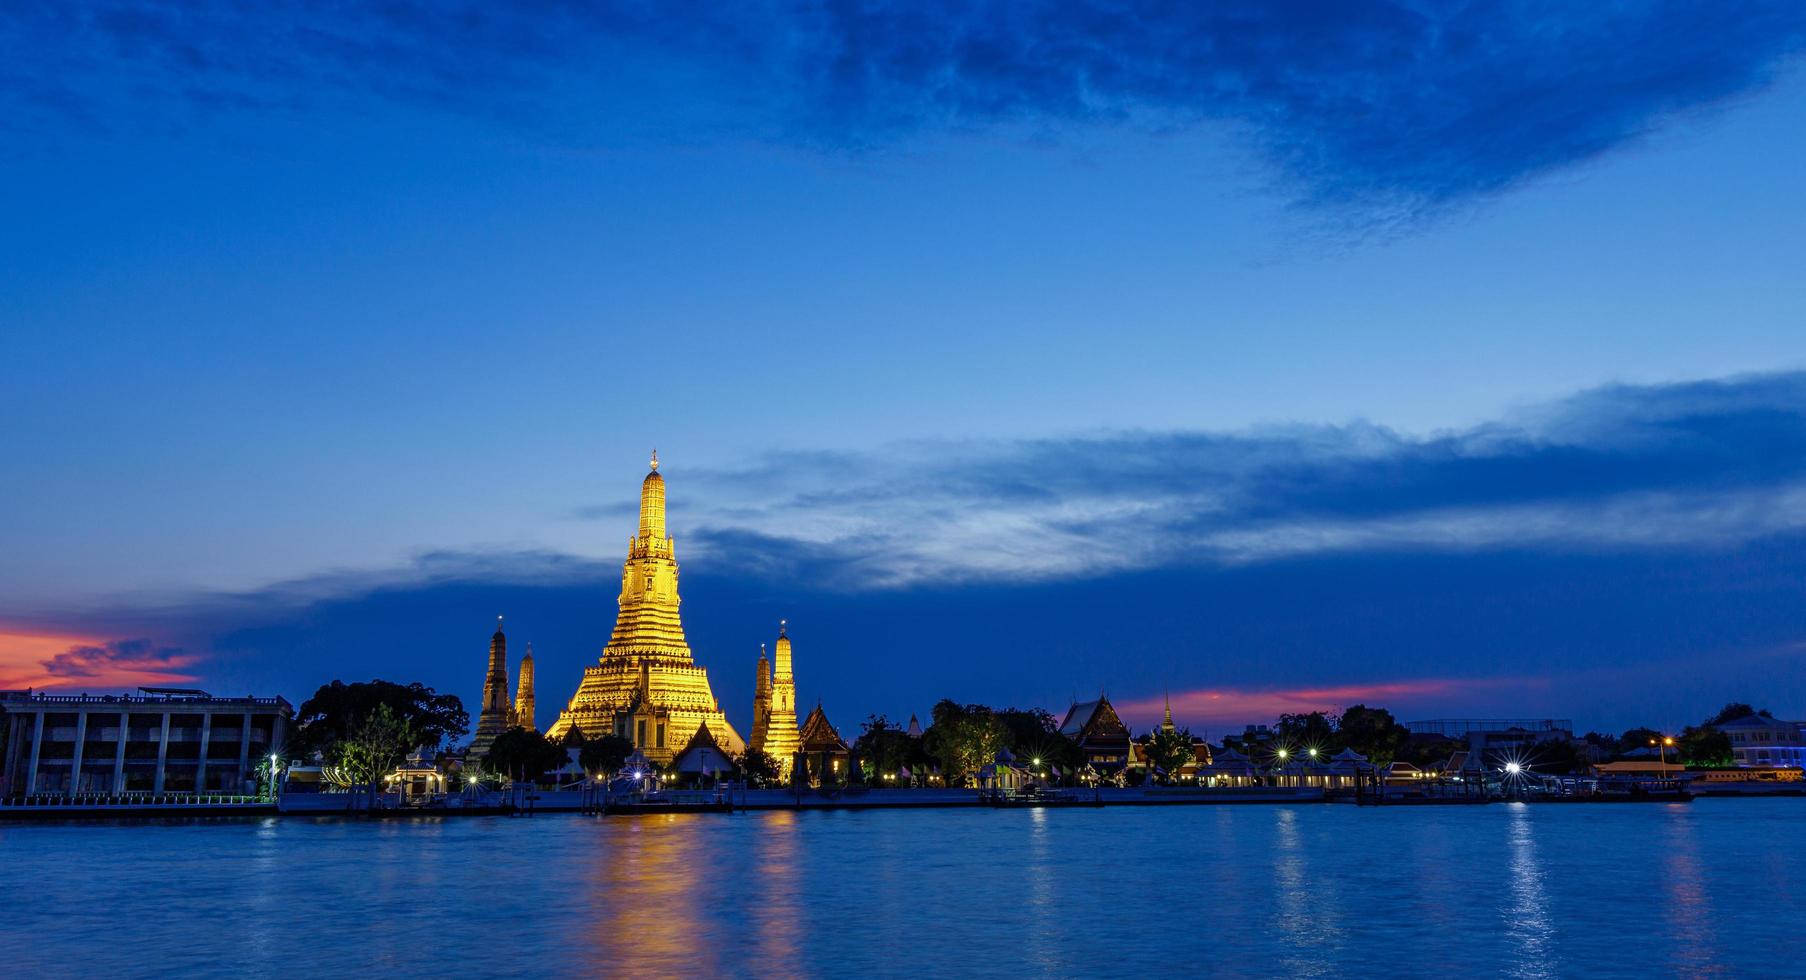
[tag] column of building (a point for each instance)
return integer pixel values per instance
(75, 763)
(162, 754)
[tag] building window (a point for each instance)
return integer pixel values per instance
(661, 736)
(642, 739)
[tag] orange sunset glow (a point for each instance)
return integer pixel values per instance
(30, 660)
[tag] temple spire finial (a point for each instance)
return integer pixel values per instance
(655, 460)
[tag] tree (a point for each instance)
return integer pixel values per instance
(375, 746)
(524, 755)
(882, 748)
(1169, 749)
(1315, 729)
(605, 755)
(1637, 738)
(336, 709)
(1732, 712)
(758, 768)
(1373, 733)
(1706, 748)
(965, 738)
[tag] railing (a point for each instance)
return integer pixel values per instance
(157, 699)
(131, 799)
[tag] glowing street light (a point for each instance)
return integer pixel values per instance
(1512, 768)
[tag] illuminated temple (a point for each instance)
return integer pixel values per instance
(647, 687)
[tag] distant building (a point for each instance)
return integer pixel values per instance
(1490, 741)
(703, 757)
(1758, 740)
(1459, 728)
(821, 752)
(1102, 738)
(161, 740)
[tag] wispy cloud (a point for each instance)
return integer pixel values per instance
(1703, 464)
(1390, 112)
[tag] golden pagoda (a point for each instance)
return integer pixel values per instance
(647, 688)
(774, 706)
(524, 713)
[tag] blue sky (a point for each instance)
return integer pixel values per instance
(1400, 351)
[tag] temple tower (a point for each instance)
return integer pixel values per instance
(1166, 724)
(782, 738)
(498, 714)
(524, 710)
(646, 686)
(761, 702)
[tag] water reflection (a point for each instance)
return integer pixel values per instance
(1688, 907)
(1047, 924)
(1306, 901)
(775, 908)
(1528, 923)
(649, 887)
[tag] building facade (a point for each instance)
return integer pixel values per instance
(1758, 740)
(160, 740)
(647, 686)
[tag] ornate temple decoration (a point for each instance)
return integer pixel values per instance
(524, 710)
(646, 686)
(498, 714)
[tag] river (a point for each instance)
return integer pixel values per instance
(1716, 887)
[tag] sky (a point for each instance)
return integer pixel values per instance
(1444, 356)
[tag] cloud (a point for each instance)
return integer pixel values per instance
(1653, 535)
(49, 660)
(1387, 113)
(1239, 705)
(1703, 464)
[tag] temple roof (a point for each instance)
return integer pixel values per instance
(1093, 718)
(818, 735)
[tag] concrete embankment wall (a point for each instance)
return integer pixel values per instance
(565, 801)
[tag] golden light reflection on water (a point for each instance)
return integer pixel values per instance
(774, 905)
(650, 893)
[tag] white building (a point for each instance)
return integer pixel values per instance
(1757, 740)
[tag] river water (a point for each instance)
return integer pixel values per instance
(1717, 887)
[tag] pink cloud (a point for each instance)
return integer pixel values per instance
(69, 662)
(1228, 705)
